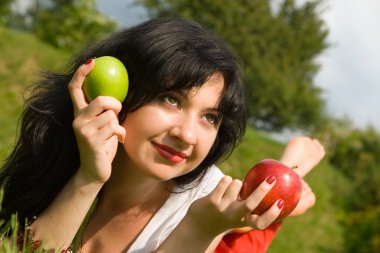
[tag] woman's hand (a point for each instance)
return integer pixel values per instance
(304, 153)
(223, 209)
(210, 217)
(96, 127)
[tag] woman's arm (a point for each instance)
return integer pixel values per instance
(97, 131)
(208, 217)
(58, 224)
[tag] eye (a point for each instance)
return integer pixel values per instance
(213, 118)
(171, 100)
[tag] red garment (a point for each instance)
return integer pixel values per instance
(253, 241)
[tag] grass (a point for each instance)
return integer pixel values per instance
(22, 56)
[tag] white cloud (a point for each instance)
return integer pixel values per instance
(350, 71)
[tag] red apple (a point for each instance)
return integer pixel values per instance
(288, 186)
(109, 77)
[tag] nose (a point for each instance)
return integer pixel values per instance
(185, 130)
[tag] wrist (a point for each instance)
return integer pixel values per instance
(189, 236)
(85, 176)
(202, 226)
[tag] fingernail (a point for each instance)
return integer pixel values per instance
(280, 204)
(270, 179)
(89, 61)
(36, 244)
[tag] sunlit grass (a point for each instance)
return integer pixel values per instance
(22, 56)
(9, 236)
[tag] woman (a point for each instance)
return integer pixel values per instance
(145, 161)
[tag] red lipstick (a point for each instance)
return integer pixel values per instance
(170, 153)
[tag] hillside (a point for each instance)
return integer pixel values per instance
(22, 56)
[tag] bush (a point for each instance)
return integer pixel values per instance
(355, 153)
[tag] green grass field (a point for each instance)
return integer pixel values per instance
(22, 56)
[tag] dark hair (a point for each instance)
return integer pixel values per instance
(160, 55)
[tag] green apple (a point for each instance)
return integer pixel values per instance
(109, 77)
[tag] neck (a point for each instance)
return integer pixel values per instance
(129, 187)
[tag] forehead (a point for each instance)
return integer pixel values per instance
(211, 90)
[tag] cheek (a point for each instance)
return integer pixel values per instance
(206, 146)
(146, 116)
(144, 124)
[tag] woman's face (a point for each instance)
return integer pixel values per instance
(172, 135)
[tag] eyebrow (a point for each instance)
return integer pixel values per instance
(184, 94)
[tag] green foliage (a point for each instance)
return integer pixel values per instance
(277, 51)
(362, 233)
(355, 153)
(68, 24)
(4, 10)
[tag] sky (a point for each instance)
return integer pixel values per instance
(350, 68)
(350, 73)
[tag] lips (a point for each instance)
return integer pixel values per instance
(169, 153)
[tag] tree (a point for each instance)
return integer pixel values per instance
(355, 153)
(277, 51)
(68, 24)
(4, 10)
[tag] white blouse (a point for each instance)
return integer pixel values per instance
(172, 212)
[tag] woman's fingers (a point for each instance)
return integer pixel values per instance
(106, 125)
(103, 119)
(110, 130)
(217, 194)
(259, 193)
(225, 205)
(101, 113)
(75, 86)
(233, 190)
(263, 221)
(230, 199)
(101, 104)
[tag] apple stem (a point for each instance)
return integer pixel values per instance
(294, 167)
